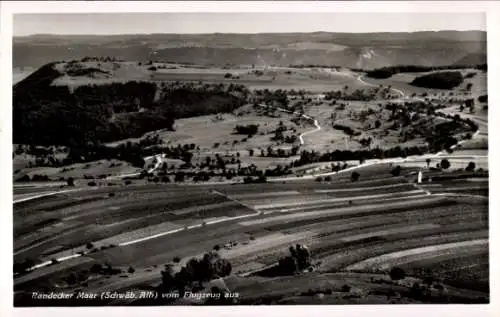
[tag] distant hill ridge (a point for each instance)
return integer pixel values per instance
(362, 50)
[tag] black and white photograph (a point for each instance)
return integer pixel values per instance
(249, 158)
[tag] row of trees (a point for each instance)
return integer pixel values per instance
(386, 72)
(307, 157)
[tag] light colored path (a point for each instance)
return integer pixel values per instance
(301, 136)
(45, 195)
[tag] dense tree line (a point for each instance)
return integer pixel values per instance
(386, 72)
(307, 157)
(250, 129)
(440, 80)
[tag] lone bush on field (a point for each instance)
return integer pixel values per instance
(396, 171)
(319, 179)
(176, 259)
(445, 164)
(471, 167)
(70, 181)
(92, 184)
(345, 288)
(354, 176)
(89, 245)
(131, 270)
(397, 274)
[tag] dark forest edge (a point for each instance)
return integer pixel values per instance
(387, 72)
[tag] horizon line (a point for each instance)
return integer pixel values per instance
(246, 33)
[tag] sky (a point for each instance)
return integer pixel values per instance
(146, 23)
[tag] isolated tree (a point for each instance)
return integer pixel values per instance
(471, 167)
(70, 181)
(167, 278)
(428, 161)
(396, 171)
(354, 176)
(445, 164)
(345, 288)
(397, 273)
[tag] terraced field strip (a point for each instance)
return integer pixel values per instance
(404, 229)
(30, 197)
(448, 262)
(454, 252)
(360, 188)
(339, 257)
(290, 204)
(266, 194)
(385, 261)
(406, 204)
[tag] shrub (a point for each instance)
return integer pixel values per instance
(397, 274)
(328, 178)
(319, 179)
(345, 288)
(131, 270)
(445, 164)
(96, 268)
(471, 167)
(354, 176)
(128, 182)
(24, 178)
(176, 259)
(70, 181)
(111, 194)
(483, 98)
(216, 247)
(89, 245)
(92, 184)
(396, 171)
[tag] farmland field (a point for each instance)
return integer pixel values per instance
(342, 223)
